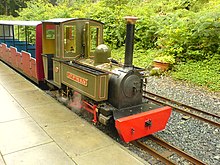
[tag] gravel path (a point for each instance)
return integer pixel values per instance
(193, 136)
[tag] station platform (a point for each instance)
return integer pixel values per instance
(37, 130)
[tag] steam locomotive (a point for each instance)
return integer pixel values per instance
(69, 54)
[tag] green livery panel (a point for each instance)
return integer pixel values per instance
(91, 84)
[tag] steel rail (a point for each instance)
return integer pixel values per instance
(167, 146)
(183, 111)
(153, 152)
(182, 104)
(176, 150)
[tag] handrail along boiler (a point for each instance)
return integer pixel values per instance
(75, 60)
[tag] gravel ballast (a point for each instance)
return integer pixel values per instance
(192, 135)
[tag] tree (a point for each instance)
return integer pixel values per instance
(10, 7)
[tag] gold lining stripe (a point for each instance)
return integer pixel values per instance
(100, 88)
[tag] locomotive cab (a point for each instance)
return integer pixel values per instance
(68, 40)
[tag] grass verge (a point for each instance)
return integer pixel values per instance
(202, 73)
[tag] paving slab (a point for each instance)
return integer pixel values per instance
(20, 86)
(3, 91)
(47, 154)
(112, 155)
(32, 98)
(21, 134)
(5, 97)
(9, 109)
(78, 138)
(10, 78)
(4, 70)
(52, 113)
(2, 162)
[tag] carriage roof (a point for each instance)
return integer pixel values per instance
(21, 23)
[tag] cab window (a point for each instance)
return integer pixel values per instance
(69, 38)
(50, 32)
(94, 40)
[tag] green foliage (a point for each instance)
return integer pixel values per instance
(9, 7)
(141, 58)
(166, 59)
(112, 16)
(187, 30)
(190, 36)
(156, 72)
(184, 29)
(43, 10)
(4, 17)
(204, 73)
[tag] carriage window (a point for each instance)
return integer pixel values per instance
(94, 40)
(6, 31)
(69, 38)
(31, 34)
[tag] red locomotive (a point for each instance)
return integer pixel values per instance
(69, 55)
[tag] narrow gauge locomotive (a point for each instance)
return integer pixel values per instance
(69, 54)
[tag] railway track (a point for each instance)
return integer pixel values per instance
(183, 108)
(165, 156)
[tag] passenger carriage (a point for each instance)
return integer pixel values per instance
(21, 47)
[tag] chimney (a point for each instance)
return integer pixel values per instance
(129, 43)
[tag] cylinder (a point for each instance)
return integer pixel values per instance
(129, 43)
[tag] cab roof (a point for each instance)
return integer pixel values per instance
(63, 20)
